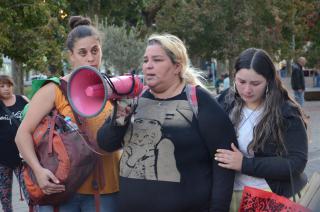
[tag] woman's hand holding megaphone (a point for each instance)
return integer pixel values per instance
(122, 111)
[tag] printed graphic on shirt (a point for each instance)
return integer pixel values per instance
(6, 117)
(147, 153)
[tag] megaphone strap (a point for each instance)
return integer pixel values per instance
(107, 78)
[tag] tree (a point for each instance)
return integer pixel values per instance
(295, 30)
(117, 12)
(122, 49)
(223, 28)
(30, 35)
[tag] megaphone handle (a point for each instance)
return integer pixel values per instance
(127, 109)
(115, 90)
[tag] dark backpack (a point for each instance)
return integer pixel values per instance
(66, 152)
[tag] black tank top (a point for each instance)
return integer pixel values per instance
(9, 155)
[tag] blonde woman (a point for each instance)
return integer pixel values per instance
(167, 163)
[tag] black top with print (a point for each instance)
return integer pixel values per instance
(167, 162)
(9, 154)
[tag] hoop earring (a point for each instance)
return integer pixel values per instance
(267, 90)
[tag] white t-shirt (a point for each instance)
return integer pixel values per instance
(245, 135)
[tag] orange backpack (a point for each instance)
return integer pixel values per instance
(63, 150)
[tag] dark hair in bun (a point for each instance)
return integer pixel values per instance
(80, 28)
(75, 21)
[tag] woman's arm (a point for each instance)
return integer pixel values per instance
(276, 167)
(40, 105)
(110, 135)
(267, 164)
(218, 133)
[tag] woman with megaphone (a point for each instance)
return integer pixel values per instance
(84, 48)
(169, 138)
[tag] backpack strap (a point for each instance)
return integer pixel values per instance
(191, 93)
(144, 89)
(37, 84)
(98, 174)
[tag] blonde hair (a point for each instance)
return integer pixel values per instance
(177, 52)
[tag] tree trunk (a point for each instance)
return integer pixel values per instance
(17, 75)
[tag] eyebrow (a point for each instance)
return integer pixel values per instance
(154, 56)
(95, 46)
(248, 81)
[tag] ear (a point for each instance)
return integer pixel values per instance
(177, 68)
(70, 55)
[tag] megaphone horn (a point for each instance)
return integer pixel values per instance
(89, 90)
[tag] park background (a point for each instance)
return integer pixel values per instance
(33, 32)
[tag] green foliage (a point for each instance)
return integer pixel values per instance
(223, 28)
(28, 91)
(117, 12)
(122, 49)
(31, 33)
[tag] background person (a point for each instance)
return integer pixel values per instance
(226, 81)
(84, 48)
(283, 69)
(298, 81)
(219, 84)
(213, 71)
(270, 127)
(9, 156)
(167, 163)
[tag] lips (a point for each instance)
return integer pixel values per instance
(150, 76)
(247, 97)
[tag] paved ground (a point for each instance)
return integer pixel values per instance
(312, 108)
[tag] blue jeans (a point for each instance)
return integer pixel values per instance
(85, 202)
(318, 81)
(299, 97)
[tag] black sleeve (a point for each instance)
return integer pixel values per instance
(303, 87)
(218, 133)
(276, 167)
(110, 137)
(294, 83)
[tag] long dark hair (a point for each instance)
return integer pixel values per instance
(271, 124)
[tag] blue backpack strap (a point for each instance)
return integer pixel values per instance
(192, 98)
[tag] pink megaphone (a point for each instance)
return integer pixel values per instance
(89, 90)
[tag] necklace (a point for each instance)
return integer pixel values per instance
(248, 117)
